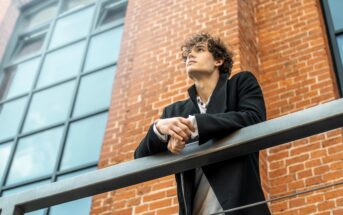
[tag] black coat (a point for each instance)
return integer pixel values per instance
(235, 103)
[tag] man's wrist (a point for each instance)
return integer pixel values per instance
(160, 135)
(157, 126)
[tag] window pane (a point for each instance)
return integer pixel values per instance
(104, 49)
(49, 106)
(35, 156)
(18, 79)
(79, 207)
(29, 46)
(336, 7)
(5, 149)
(61, 64)
(93, 96)
(39, 212)
(10, 117)
(340, 45)
(77, 25)
(85, 148)
(69, 4)
(39, 17)
(112, 13)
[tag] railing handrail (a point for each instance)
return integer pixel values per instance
(274, 132)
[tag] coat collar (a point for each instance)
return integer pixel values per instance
(218, 98)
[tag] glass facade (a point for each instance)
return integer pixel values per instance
(334, 23)
(55, 92)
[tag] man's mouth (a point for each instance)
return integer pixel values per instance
(191, 62)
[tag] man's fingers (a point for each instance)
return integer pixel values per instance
(184, 128)
(174, 135)
(179, 145)
(175, 146)
(180, 132)
(188, 123)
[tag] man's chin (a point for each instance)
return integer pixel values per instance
(196, 73)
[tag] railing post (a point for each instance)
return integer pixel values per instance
(11, 210)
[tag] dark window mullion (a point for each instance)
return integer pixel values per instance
(13, 98)
(338, 32)
(65, 45)
(27, 182)
(23, 60)
(107, 28)
(16, 139)
(76, 169)
(337, 61)
(75, 10)
(78, 80)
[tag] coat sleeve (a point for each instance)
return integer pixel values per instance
(151, 144)
(250, 110)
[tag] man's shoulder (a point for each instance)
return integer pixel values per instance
(243, 78)
(242, 75)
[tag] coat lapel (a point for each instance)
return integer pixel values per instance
(218, 99)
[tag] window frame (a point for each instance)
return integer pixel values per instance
(334, 49)
(8, 61)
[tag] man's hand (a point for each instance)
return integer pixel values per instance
(175, 145)
(177, 127)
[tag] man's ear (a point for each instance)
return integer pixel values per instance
(218, 62)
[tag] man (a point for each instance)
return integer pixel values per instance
(216, 107)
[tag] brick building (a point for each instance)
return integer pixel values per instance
(293, 47)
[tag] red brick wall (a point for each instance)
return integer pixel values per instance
(296, 73)
(282, 42)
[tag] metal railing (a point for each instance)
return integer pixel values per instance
(271, 133)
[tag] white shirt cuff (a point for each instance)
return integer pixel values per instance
(195, 125)
(162, 137)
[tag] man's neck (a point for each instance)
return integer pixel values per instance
(205, 85)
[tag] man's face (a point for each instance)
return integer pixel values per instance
(201, 61)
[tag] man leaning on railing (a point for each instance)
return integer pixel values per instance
(216, 107)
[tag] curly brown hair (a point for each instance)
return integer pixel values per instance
(214, 45)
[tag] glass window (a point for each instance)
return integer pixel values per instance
(18, 79)
(104, 49)
(39, 17)
(112, 12)
(49, 106)
(35, 156)
(5, 149)
(77, 25)
(10, 116)
(92, 130)
(61, 64)
(93, 96)
(79, 207)
(39, 212)
(336, 7)
(69, 4)
(340, 45)
(29, 45)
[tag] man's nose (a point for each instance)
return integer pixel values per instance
(191, 54)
